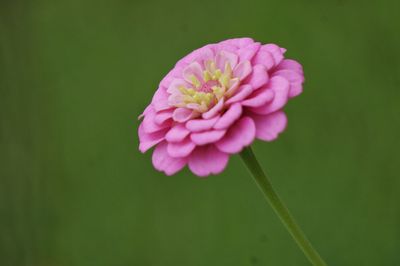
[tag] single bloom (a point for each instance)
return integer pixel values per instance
(216, 101)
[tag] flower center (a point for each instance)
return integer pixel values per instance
(206, 86)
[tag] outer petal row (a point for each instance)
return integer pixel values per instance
(203, 161)
(268, 127)
(239, 136)
(206, 160)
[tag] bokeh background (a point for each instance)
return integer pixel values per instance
(75, 191)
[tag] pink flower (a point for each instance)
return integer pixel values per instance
(216, 101)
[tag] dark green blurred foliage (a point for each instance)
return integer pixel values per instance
(74, 190)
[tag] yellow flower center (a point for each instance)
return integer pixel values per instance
(207, 91)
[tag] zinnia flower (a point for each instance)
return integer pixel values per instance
(216, 101)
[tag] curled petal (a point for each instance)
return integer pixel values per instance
(240, 135)
(206, 160)
(242, 70)
(295, 79)
(248, 52)
(259, 98)
(194, 69)
(275, 51)
(269, 126)
(280, 87)
(160, 100)
(182, 114)
(259, 77)
(291, 75)
(197, 125)
(148, 140)
(234, 87)
(180, 149)
(161, 117)
(162, 161)
(149, 124)
(223, 57)
(290, 65)
(295, 89)
(229, 117)
(206, 137)
(215, 110)
(242, 93)
(264, 58)
(177, 133)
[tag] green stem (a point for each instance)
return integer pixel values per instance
(279, 208)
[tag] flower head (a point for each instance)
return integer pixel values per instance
(216, 101)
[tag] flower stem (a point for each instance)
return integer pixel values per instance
(280, 209)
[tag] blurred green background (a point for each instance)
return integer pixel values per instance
(74, 189)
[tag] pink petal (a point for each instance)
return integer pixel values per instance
(162, 161)
(295, 79)
(295, 89)
(174, 73)
(230, 42)
(248, 52)
(160, 100)
(206, 137)
(269, 126)
(214, 110)
(230, 116)
(280, 86)
(242, 42)
(274, 50)
(242, 70)
(223, 56)
(175, 84)
(175, 99)
(177, 133)
(194, 69)
(291, 75)
(180, 149)
(149, 124)
(259, 77)
(207, 160)
(263, 58)
(259, 98)
(194, 106)
(163, 116)
(240, 135)
(197, 125)
(238, 42)
(182, 114)
(242, 93)
(148, 140)
(290, 65)
(225, 47)
(232, 90)
(200, 55)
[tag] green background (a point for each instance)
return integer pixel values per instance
(74, 189)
